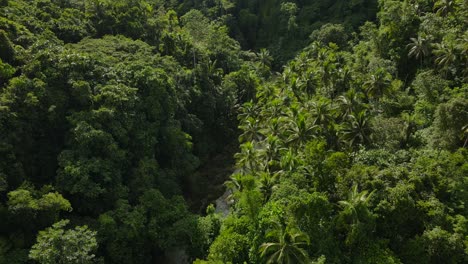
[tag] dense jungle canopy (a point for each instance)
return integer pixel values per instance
(336, 129)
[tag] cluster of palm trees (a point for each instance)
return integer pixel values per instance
(287, 244)
(344, 122)
(448, 53)
(322, 97)
(445, 53)
(275, 130)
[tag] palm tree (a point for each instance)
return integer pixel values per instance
(357, 129)
(238, 183)
(323, 116)
(247, 158)
(322, 113)
(306, 84)
(288, 72)
(273, 110)
(465, 134)
(233, 186)
(287, 246)
(301, 63)
(444, 7)
(350, 102)
(212, 70)
(273, 128)
(322, 54)
(410, 126)
(271, 150)
(290, 162)
(445, 55)
(355, 200)
(415, 6)
(267, 184)
(378, 83)
(297, 87)
(344, 79)
(300, 131)
(463, 47)
(264, 58)
(265, 93)
(251, 130)
(418, 48)
(248, 110)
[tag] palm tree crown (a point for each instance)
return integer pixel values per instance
(287, 246)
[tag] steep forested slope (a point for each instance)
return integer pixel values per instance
(356, 152)
(284, 27)
(353, 151)
(106, 110)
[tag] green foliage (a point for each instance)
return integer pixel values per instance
(358, 151)
(440, 245)
(229, 247)
(57, 245)
(430, 86)
(7, 51)
(354, 153)
(6, 71)
(286, 246)
(284, 26)
(112, 122)
(448, 123)
(23, 200)
(334, 33)
(389, 132)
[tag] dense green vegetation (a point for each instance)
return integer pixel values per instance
(351, 119)
(284, 27)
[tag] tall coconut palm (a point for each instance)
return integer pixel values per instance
(288, 72)
(234, 185)
(306, 84)
(463, 47)
(290, 161)
(251, 130)
(273, 128)
(323, 116)
(322, 113)
(355, 200)
(297, 87)
(418, 48)
(273, 109)
(344, 79)
(445, 55)
(356, 129)
(465, 134)
(247, 157)
(212, 70)
(301, 63)
(268, 182)
(350, 102)
(271, 149)
(248, 110)
(265, 93)
(238, 183)
(300, 130)
(264, 58)
(378, 83)
(410, 126)
(287, 246)
(444, 7)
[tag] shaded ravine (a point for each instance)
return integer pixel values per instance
(214, 173)
(179, 255)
